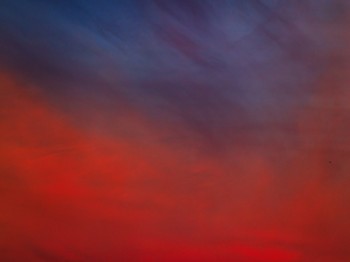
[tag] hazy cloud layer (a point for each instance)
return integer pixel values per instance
(174, 131)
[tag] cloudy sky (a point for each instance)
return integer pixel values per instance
(175, 130)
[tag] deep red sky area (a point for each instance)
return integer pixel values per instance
(71, 193)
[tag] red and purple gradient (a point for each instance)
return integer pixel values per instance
(170, 131)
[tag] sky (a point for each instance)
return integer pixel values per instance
(175, 130)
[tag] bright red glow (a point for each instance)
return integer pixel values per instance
(70, 193)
